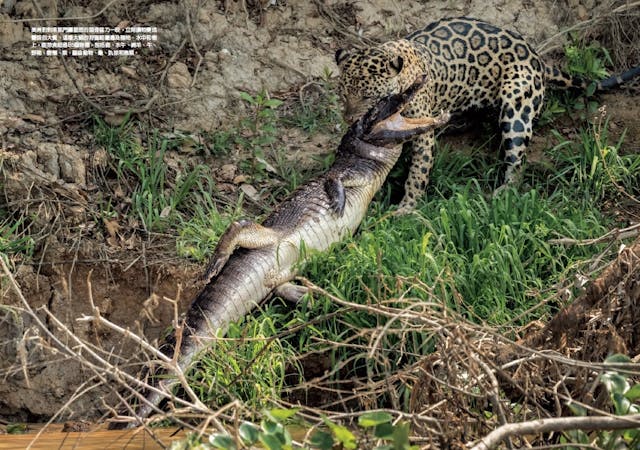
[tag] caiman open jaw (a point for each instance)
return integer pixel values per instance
(391, 132)
(383, 125)
(397, 128)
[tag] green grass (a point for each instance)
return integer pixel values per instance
(157, 192)
(12, 238)
(487, 258)
(198, 232)
(255, 373)
(317, 109)
(176, 199)
(596, 165)
(495, 250)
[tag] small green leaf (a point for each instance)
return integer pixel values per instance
(287, 438)
(322, 440)
(222, 441)
(271, 427)
(374, 418)
(578, 436)
(401, 435)
(271, 442)
(630, 435)
(617, 358)
(577, 409)
(621, 404)
(633, 394)
(279, 414)
(247, 98)
(16, 428)
(347, 438)
(273, 103)
(614, 382)
(343, 435)
(591, 89)
(249, 433)
(384, 431)
(179, 445)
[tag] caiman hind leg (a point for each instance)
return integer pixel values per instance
(291, 292)
(244, 234)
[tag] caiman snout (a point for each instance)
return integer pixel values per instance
(354, 110)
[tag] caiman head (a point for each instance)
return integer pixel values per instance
(383, 125)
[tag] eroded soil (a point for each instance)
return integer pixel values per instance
(190, 83)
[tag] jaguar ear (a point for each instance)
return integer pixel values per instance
(396, 64)
(341, 55)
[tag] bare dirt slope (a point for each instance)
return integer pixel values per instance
(206, 54)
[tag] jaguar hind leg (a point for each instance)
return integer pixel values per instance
(521, 103)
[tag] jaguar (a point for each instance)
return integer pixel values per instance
(469, 63)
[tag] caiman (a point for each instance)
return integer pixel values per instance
(252, 261)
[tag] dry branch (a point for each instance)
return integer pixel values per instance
(548, 45)
(556, 424)
(613, 235)
(620, 279)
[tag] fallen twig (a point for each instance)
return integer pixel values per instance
(193, 44)
(547, 47)
(615, 234)
(556, 424)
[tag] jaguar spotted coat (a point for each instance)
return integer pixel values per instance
(469, 63)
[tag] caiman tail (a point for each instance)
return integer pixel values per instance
(222, 301)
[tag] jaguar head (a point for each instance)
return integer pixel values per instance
(367, 75)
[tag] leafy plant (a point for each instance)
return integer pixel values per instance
(588, 63)
(377, 432)
(258, 131)
(318, 110)
(625, 400)
(221, 141)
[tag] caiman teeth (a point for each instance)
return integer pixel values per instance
(396, 126)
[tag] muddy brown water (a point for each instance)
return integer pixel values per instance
(98, 438)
